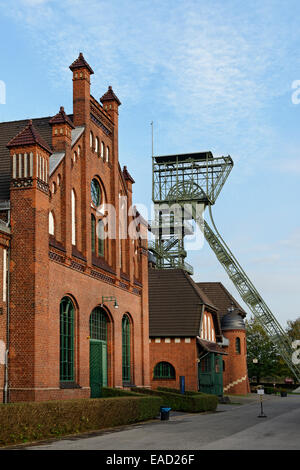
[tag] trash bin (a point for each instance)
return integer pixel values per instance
(164, 413)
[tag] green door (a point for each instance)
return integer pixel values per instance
(98, 367)
(210, 374)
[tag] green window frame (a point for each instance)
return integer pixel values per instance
(100, 238)
(67, 313)
(164, 370)
(98, 324)
(238, 345)
(126, 369)
(93, 233)
(206, 364)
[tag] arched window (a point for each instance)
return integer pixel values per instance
(79, 150)
(107, 154)
(164, 370)
(100, 238)
(73, 216)
(102, 149)
(126, 372)
(67, 312)
(74, 157)
(91, 140)
(93, 233)
(97, 145)
(238, 345)
(98, 324)
(51, 223)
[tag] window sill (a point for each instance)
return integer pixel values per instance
(68, 385)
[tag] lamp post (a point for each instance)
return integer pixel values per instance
(109, 299)
(255, 361)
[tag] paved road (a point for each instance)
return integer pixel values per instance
(231, 427)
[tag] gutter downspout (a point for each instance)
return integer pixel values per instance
(6, 377)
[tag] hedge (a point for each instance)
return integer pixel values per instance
(176, 390)
(30, 421)
(191, 403)
(108, 392)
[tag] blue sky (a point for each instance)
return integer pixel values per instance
(212, 75)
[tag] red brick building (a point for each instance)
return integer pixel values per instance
(74, 303)
(193, 335)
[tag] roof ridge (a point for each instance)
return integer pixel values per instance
(199, 291)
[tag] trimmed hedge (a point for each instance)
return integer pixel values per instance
(108, 392)
(175, 390)
(178, 402)
(30, 421)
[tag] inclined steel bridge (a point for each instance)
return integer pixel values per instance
(183, 186)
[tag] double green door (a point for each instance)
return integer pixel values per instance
(210, 374)
(98, 366)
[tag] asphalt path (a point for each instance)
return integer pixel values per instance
(233, 426)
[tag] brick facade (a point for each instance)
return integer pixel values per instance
(235, 375)
(45, 267)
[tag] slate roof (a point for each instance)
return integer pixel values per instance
(209, 346)
(175, 303)
(221, 297)
(110, 96)
(79, 63)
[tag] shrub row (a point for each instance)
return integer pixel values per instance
(30, 421)
(176, 390)
(191, 403)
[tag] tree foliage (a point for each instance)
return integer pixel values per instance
(259, 347)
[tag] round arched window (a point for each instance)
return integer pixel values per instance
(164, 370)
(95, 192)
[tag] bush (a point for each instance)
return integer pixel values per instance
(30, 421)
(175, 390)
(178, 402)
(108, 392)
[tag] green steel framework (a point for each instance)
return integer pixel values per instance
(193, 180)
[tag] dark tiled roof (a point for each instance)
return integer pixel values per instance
(28, 136)
(61, 118)
(80, 62)
(8, 130)
(210, 346)
(220, 297)
(110, 96)
(175, 303)
(127, 175)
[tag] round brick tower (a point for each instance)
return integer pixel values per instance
(235, 375)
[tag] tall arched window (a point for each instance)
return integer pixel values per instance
(91, 140)
(102, 149)
(67, 312)
(93, 233)
(238, 345)
(107, 154)
(126, 372)
(98, 324)
(164, 370)
(51, 223)
(100, 238)
(97, 145)
(73, 216)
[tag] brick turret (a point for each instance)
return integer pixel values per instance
(81, 90)
(29, 267)
(61, 130)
